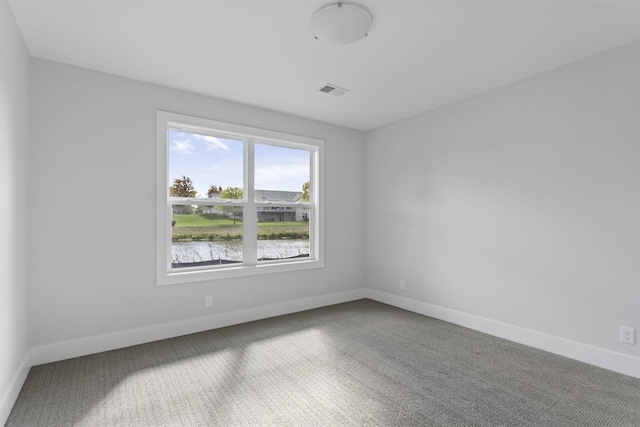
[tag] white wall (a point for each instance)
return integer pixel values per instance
(520, 205)
(92, 208)
(14, 71)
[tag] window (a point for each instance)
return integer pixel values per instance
(235, 200)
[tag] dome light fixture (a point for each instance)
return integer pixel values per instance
(341, 24)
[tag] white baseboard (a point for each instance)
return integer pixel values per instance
(95, 344)
(12, 392)
(600, 357)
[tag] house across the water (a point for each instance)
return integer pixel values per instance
(281, 213)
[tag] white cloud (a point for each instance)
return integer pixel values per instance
(182, 146)
(284, 177)
(211, 143)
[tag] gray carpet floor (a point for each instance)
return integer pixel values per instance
(356, 364)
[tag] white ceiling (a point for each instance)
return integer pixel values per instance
(420, 54)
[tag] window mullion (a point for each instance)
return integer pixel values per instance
(313, 199)
(250, 228)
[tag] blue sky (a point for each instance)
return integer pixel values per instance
(209, 160)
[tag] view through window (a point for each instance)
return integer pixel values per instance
(237, 199)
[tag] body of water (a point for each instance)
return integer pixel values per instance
(194, 252)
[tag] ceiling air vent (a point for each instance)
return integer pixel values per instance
(333, 90)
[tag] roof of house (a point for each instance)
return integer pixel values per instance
(278, 196)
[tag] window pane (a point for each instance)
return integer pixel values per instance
(281, 173)
(205, 235)
(283, 232)
(205, 166)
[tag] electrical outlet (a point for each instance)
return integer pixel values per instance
(403, 286)
(208, 301)
(628, 335)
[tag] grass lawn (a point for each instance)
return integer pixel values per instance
(219, 227)
(203, 220)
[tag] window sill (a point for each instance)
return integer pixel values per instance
(177, 277)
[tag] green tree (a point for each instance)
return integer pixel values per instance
(305, 191)
(231, 193)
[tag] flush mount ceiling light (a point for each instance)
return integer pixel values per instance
(341, 24)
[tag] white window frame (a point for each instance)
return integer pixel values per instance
(165, 274)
